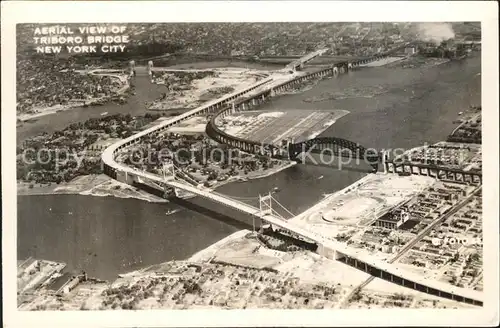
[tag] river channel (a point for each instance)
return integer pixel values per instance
(106, 235)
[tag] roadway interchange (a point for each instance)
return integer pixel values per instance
(326, 247)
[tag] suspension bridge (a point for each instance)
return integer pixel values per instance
(327, 247)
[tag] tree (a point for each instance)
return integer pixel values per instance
(475, 257)
(212, 176)
(356, 296)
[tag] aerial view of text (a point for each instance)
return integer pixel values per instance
(249, 166)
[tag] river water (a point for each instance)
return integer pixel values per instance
(135, 105)
(107, 236)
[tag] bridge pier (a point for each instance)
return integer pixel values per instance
(327, 252)
(125, 177)
(389, 167)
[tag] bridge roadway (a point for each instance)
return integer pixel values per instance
(305, 59)
(326, 247)
(269, 82)
(108, 154)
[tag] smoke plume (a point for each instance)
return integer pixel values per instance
(435, 32)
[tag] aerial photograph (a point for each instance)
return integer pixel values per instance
(249, 166)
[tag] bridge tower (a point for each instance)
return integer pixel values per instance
(150, 68)
(131, 66)
(384, 160)
(265, 207)
(285, 145)
(266, 204)
(168, 172)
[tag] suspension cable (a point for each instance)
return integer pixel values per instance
(235, 198)
(283, 207)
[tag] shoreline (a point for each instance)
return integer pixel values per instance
(88, 189)
(416, 61)
(199, 89)
(208, 252)
(88, 185)
(77, 103)
(202, 255)
(265, 174)
(328, 197)
(24, 118)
